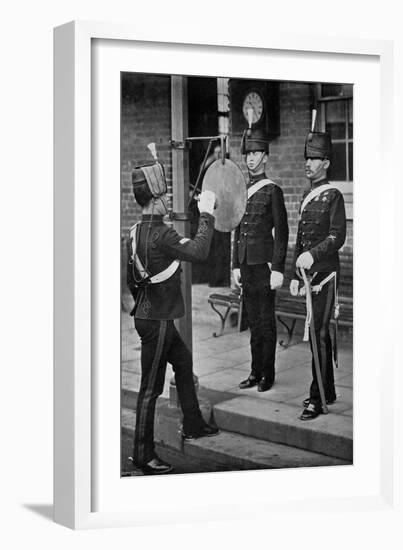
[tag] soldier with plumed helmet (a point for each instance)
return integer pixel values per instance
(259, 252)
(155, 251)
(321, 233)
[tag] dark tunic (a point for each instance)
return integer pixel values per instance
(322, 230)
(254, 242)
(158, 244)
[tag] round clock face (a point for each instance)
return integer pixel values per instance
(254, 101)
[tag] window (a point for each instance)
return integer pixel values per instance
(335, 105)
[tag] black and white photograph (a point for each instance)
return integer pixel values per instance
(236, 254)
(201, 245)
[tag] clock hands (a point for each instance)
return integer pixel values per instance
(252, 107)
(249, 112)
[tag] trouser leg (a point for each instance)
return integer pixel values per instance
(269, 332)
(251, 304)
(251, 301)
(154, 344)
(181, 360)
(322, 311)
(259, 304)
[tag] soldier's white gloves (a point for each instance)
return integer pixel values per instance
(237, 276)
(206, 202)
(276, 280)
(294, 287)
(305, 260)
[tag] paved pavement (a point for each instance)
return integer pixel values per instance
(257, 429)
(221, 363)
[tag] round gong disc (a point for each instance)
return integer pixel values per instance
(228, 183)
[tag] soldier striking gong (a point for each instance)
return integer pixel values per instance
(153, 275)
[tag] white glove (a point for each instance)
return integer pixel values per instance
(206, 202)
(276, 280)
(305, 260)
(294, 287)
(237, 276)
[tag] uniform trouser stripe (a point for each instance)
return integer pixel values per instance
(322, 333)
(326, 318)
(143, 406)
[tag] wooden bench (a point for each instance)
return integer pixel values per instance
(231, 303)
(287, 306)
(294, 308)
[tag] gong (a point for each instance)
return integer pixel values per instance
(227, 181)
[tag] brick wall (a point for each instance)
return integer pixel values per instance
(146, 116)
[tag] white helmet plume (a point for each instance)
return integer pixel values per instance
(153, 150)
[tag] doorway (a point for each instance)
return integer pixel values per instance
(203, 121)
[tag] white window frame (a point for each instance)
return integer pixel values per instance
(346, 187)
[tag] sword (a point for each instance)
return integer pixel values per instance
(313, 341)
(335, 336)
(336, 325)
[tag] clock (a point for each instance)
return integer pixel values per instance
(262, 97)
(253, 100)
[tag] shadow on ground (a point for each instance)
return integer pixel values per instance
(43, 510)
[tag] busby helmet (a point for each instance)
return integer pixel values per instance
(254, 140)
(318, 145)
(148, 182)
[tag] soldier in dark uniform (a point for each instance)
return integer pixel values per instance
(321, 233)
(260, 247)
(154, 253)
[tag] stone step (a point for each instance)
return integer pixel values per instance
(240, 452)
(328, 434)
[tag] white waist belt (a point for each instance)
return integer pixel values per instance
(158, 277)
(317, 289)
(164, 275)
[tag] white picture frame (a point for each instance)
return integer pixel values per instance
(369, 484)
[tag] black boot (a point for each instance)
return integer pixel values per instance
(249, 382)
(313, 410)
(265, 384)
(156, 466)
(306, 401)
(205, 431)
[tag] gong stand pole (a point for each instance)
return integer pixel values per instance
(187, 142)
(196, 186)
(223, 142)
(314, 343)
